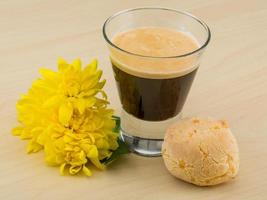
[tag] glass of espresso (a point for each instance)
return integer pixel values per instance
(155, 54)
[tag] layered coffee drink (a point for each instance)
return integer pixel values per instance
(155, 54)
(152, 80)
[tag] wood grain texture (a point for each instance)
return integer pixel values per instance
(231, 84)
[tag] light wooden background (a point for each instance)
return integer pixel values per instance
(231, 84)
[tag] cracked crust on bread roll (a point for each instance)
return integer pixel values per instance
(201, 151)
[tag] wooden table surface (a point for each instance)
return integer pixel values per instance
(231, 84)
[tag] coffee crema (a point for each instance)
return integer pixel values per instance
(152, 78)
(154, 45)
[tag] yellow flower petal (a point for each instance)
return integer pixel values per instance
(37, 130)
(113, 144)
(48, 74)
(42, 138)
(73, 91)
(90, 102)
(17, 131)
(82, 156)
(89, 70)
(53, 101)
(62, 65)
(86, 147)
(59, 145)
(104, 95)
(109, 124)
(102, 144)
(25, 134)
(74, 169)
(97, 163)
(62, 169)
(51, 157)
(33, 147)
(81, 105)
(87, 171)
(93, 152)
(101, 84)
(77, 65)
(67, 139)
(65, 113)
(89, 83)
(92, 138)
(104, 153)
(94, 63)
(88, 93)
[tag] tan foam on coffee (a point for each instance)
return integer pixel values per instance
(154, 42)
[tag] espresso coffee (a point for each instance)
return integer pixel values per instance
(152, 80)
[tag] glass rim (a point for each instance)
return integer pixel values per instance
(201, 22)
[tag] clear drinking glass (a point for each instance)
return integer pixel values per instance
(150, 103)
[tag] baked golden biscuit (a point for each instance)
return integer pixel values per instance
(201, 151)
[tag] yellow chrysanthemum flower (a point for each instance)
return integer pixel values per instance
(65, 113)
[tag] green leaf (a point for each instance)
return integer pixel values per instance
(118, 124)
(121, 150)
